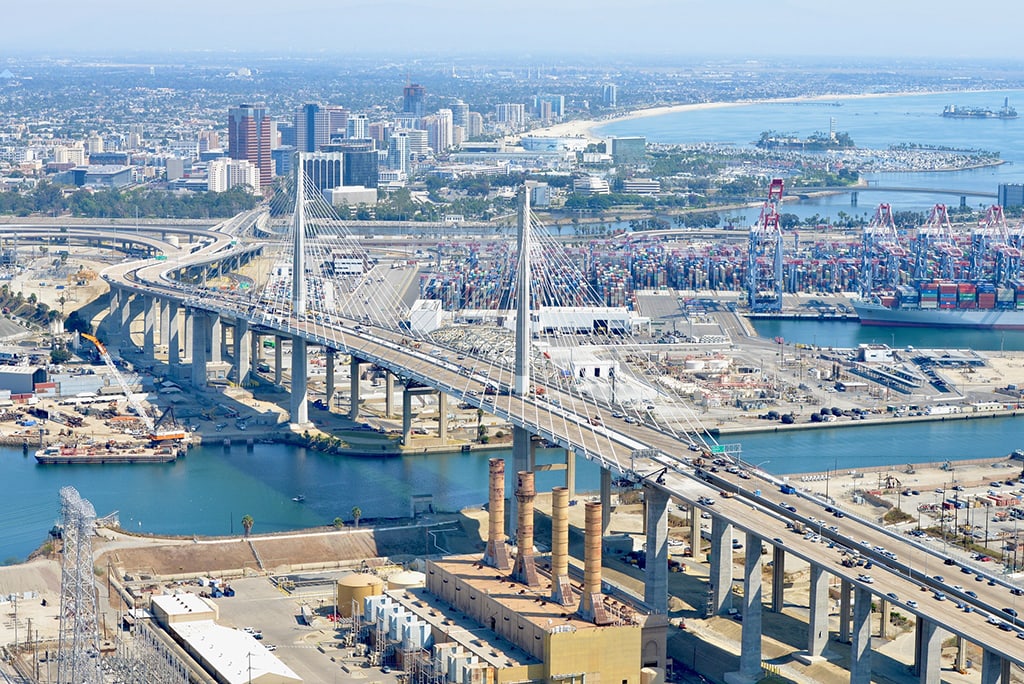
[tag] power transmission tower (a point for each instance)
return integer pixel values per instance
(78, 659)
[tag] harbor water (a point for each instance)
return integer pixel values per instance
(209, 491)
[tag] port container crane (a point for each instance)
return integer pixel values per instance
(764, 255)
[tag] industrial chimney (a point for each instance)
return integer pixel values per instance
(561, 588)
(496, 554)
(525, 569)
(591, 603)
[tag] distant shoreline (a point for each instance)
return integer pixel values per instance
(585, 128)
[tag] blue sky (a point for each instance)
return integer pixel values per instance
(981, 29)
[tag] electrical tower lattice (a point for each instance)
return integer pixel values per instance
(78, 650)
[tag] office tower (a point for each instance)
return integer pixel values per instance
(361, 161)
(413, 96)
(356, 129)
(610, 95)
(379, 132)
(337, 121)
(249, 138)
(208, 140)
(312, 128)
(324, 169)
(629, 150)
(285, 134)
(475, 125)
(94, 144)
(284, 160)
(398, 151)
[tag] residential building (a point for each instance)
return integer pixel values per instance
(223, 174)
(610, 95)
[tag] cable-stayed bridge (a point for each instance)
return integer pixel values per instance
(552, 358)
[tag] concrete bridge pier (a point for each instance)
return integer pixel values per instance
(960, 663)
(200, 330)
(353, 386)
(215, 340)
(853, 198)
(860, 648)
(606, 500)
(845, 589)
(242, 353)
(656, 570)
(928, 638)
(721, 564)
(994, 668)
(165, 321)
(883, 622)
(442, 417)
(778, 579)
(407, 395)
(750, 639)
(278, 359)
(389, 392)
(817, 628)
(174, 338)
(149, 318)
(329, 389)
(696, 542)
(189, 332)
(299, 393)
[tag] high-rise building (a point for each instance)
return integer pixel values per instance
(439, 131)
(337, 121)
(460, 114)
(379, 132)
(398, 151)
(475, 125)
(249, 138)
(324, 169)
(413, 96)
(512, 114)
(552, 104)
(610, 95)
(419, 146)
(224, 174)
(312, 127)
(629, 150)
(1011, 194)
(356, 129)
(361, 162)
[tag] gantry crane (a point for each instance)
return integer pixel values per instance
(764, 255)
(157, 432)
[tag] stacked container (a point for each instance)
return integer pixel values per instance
(986, 296)
(967, 296)
(947, 295)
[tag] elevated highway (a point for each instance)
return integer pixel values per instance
(665, 465)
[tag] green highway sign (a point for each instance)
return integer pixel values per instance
(718, 449)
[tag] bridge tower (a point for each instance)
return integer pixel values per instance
(299, 239)
(521, 447)
(764, 255)
(78, 659)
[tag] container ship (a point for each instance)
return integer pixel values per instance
(106, 453)
(947, 305)
(957, 112)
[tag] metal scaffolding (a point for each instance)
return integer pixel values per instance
(78, 657)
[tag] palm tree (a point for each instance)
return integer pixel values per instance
(357, 513)
(247, 523)
(338, 523)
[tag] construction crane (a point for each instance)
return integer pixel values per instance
(156, 430)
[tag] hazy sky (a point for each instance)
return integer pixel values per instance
(867, 28)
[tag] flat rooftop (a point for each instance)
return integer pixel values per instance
(532, 604)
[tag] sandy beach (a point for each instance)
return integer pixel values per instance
(585, 128)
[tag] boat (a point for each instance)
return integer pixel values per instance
(106, 453)
(298, 499)
(957, 112)
(873, 312)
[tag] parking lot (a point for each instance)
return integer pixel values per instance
(316, 653)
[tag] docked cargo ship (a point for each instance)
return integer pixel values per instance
(958, 112)
(106, 453)
(947, 305)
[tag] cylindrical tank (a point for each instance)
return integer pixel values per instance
(356, 587)
(407, 579)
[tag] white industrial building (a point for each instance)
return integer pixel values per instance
(426, 316)
(351, 195)
(573, 320)
(231, 655)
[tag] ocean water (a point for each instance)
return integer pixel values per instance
(872, 122)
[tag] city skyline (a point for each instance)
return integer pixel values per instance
(534, 29)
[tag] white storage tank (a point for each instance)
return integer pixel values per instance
(406, 579)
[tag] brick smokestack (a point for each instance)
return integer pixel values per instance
(496, 554)
(591, 603)
(525, 569)
(561, 588)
